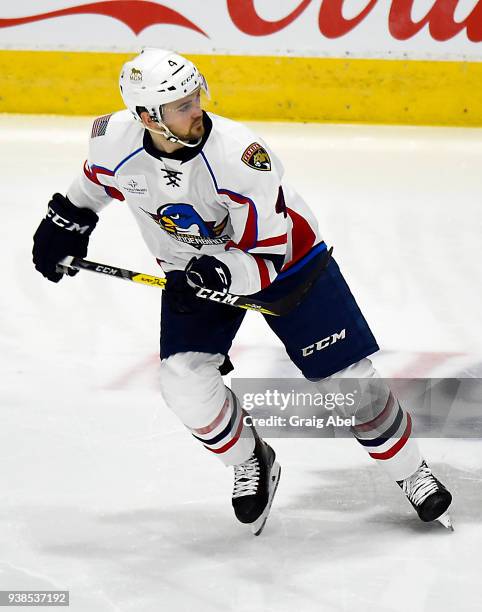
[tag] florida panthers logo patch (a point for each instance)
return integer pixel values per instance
(184, 223)
(255, 156)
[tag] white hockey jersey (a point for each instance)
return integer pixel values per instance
(225, 197)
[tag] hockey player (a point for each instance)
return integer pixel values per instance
(212, 205)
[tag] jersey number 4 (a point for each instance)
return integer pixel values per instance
(281, 204)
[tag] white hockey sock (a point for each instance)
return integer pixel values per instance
(382, 426)
(193, 388)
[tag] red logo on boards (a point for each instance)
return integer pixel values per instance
(140, 14)
(332, 24)
(136, 14)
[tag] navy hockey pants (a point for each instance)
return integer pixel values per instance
(323, 335)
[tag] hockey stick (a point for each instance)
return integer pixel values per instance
(277, 308)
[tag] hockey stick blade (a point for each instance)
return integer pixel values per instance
(294, 299)
(277, 308)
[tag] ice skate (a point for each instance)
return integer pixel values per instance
(255, 483)
(428, 496)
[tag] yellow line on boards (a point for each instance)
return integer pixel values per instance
(259, 88)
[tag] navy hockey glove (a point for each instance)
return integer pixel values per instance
(209, 272)
(179, 295)
(64, 231)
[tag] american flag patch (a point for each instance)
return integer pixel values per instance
(100, 125)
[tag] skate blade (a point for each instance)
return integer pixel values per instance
(446, 521)
(258, 525)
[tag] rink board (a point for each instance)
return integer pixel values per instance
(259, 87)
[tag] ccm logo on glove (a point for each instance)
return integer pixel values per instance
(66, 224)
(64, 231)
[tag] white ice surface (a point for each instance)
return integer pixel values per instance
(103, 491)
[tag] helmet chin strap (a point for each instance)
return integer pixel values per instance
(168, 135)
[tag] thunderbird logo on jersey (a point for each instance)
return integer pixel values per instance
(183, 222)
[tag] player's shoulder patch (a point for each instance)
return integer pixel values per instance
(99, 127)
(256, 157)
